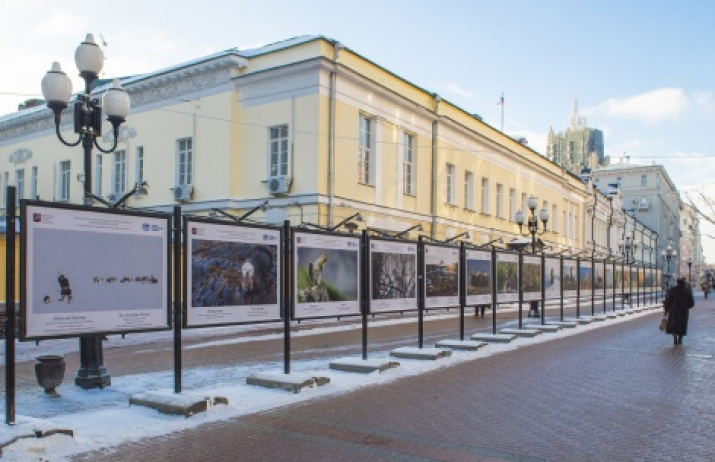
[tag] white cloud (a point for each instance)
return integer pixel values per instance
(453, 89)
(61, 23)
(650, 107)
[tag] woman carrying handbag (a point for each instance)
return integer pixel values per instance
(677, 303)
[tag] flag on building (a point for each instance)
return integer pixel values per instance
(501, 100)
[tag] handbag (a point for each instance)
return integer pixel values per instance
(663, 322)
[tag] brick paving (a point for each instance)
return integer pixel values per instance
(622, 392)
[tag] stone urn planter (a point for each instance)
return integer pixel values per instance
(50, 370)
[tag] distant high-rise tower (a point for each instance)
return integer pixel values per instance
(579, 147)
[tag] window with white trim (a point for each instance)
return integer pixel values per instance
(485, 195)
(119, 172)
(499, 201)
(19, 185)
(450, 184)
(278, 145)
(184, 161)
(512, 204)
(408, 164)
(366, 150)
(139, 165)
(469, 190)
(554, 219)
(63, 185)
(33, 183)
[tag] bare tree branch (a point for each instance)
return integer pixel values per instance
(708, 217)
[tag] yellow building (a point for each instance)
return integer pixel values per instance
(316, 129)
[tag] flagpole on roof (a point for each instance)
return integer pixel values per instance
(501, 103)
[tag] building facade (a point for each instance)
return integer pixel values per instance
(318, 133)
(651, 198)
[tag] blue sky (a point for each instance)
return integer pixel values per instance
(642, 71)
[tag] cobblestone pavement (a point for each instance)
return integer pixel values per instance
(618, 393)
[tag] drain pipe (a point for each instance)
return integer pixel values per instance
(331, 132)
(435, 136)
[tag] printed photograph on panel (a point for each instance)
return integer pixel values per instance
(598, 279)
(648, 278)
(618, 278)
(441, 276)
(531, 276)
(326, 275)
(479, 277)
(570, 277)
(552, 281)
(586, 276)
(507, 277)
(627, 278)
(394, 275)
(225, 273)
(609, 278)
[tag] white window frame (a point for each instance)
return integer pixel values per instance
(451, 187)
(278, 150)
(469, 190)
(554, 219)
(408, 164)
(512, 204)
(33, 183)
(19, 184)
(644, 180)
(5, 184)
(499, 199)
(485, 195)
(185, 161)
(119, 172)
(64, 173)
(139, 164)
(366, 150)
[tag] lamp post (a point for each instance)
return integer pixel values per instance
(533, 230)
(57, 91)
(532, 221)
(668, 254)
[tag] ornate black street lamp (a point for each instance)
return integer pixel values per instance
(532, 221)
(533, 227)
(668, 254)
(87, 111)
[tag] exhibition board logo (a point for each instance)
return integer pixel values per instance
(150, 227)
(268, 237)
(45, 218)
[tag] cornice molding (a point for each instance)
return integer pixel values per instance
(144, 90)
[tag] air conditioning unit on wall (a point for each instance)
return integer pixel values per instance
(183, 192)
(278, 185)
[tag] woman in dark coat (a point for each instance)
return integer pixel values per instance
(677, 304)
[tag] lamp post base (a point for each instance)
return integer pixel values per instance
(92, 373)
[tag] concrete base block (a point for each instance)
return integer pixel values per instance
(420, 353)
(520, 332)
(493, 338)
(543, 327)
(289, 382)
(581, 320)
(564, 324)
(611, 315)
(466, 345)
(620, 313)
(176, 404)
(364, 366)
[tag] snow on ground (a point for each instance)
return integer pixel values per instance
(103, 418)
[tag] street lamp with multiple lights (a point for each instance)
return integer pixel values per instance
(533, 230)
(668, 254)
(532, 221)
(57, 91)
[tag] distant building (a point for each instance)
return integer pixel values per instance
(649, 195)
(577, 148)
